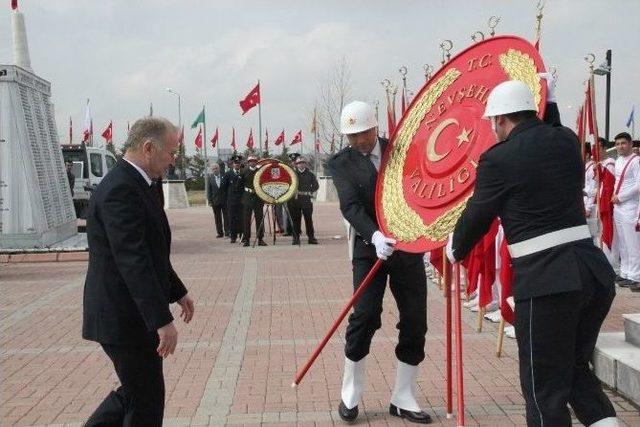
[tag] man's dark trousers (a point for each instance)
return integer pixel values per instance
(221, 220)
(302, 207)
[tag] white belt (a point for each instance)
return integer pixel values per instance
(549, 240)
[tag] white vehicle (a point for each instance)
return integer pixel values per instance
(90, 165)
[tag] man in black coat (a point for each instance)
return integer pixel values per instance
(217, 200)
(233, 189)
(130, 281)
(301, 205)
(252, 205)
(354, 171)
(70, 176)
(563, 285)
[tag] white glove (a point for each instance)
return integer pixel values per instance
(551, 86)
(384, 245)
(449, 249)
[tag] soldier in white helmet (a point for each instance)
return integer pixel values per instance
(563, 284)
(354, 171)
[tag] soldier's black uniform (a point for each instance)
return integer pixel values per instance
(301, 205)
(533, 181)
(252, 204)
(354, 176)
(233, 188)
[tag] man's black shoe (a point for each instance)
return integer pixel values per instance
(232, 241)
(313, 241)
(245, 243)
(219, 236)
(348, 415)
(262, 243)
(415, 417)
(295, 242)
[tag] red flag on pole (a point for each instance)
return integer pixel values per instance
(280, 138)
(70, 131)
(107, 134)
(180, 136)
(506, 281)
(214, 139)
(88, 125)
(14, 4)
(198, 140)
(233, 139)
(391, 119)
(250, 140)
(297, 139)
(251, 100)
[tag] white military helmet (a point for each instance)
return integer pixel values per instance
(357, 117)
(509, 97)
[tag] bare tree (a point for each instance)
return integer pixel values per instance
(335, 91)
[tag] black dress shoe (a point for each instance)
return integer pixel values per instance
(245, 243)
(313, 241)
(295, 242)
(415, 417)
(348, 415)
(262, 243)
(219, 236)
(232, 241)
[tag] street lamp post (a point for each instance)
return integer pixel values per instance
(605, 70)
(182, 149)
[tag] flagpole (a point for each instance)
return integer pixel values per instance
(260, 120)
(206, 159)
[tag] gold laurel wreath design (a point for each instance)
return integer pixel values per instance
(520, 66)
(293, 187)
(403, 222)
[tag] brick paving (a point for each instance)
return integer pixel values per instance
(259, 313)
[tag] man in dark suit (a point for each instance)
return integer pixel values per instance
(130, 281)
(301, 204)
(354, 171)
(252, 204)
(70, 176)
(233, 189)
(217, 200)
(563, 285)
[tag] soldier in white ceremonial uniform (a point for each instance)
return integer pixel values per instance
(625, 210)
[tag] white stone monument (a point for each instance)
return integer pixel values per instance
(36, 209)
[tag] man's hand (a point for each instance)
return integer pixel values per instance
(449, 249)
(186, 308)
(615, 200)
(168, 335)
(551, 86)
(383, 244)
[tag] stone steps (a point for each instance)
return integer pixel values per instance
(616, 360)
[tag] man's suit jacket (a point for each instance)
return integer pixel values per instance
(130, 281)
(354, 177)
(533, 181)
(233, 187)
(250, 198)
(215, 193)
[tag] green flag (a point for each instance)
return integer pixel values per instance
(199, 119)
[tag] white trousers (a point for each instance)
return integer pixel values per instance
(629, 247)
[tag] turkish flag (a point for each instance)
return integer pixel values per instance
(180, 136)
(280, 138)
(233, 139)
(506, 282)
(107, 134)
(198, 140)
(214, 139)
(250, 140)
(14, 4)
(297, 139)
(251, 100)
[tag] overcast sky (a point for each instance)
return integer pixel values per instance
(122, 54)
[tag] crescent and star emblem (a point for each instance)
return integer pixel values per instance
(432, 156)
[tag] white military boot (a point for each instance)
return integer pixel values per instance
(403, 400)
(606, 422)
(352, 387)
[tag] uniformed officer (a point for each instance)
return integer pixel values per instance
(563, 285)
(252, 204)
(354, 171)
(301, 205)
(233, 188)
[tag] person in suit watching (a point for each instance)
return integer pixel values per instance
(217, 200)
(130, 281)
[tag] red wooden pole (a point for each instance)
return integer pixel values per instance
(446, 273)
(356, 295)
(458, 332)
